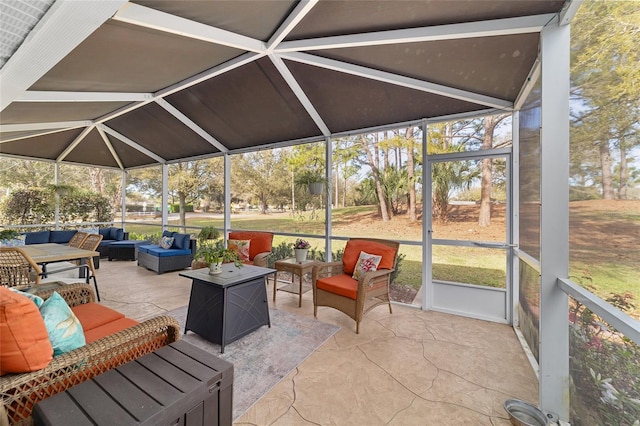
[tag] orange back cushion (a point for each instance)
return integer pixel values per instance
(24, 341)
(260, 241)
(94, 315)
(355, 246)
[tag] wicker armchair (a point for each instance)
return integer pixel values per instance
(333, 285)
(20, 392)
(17, 269)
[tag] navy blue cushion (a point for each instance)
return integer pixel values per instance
(181, 241)
(158, 251)
(37, 237)
(145, 247)
(167, 233)
(117, 234)
(61, 237)
(105, 232)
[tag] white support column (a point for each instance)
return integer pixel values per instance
(227, 197)
(123, 201)
(426, 223)
(515, 217)
(554, 227)
(56, 181)
(165, 195)
(328, 205)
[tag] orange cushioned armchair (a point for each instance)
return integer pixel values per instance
(336, 286)
(259, 245)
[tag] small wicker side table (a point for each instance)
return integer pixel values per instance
(291, 266)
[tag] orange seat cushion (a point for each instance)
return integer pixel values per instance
(260, 241)
(341, 284)
(24, 341)
(355, 246)
(108, 328)
(93, 315)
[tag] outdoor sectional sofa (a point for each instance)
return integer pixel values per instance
(109, 235)
(161, 260)
(112, 340)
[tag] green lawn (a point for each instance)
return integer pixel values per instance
(603, 271)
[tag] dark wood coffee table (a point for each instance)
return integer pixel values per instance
(178, 384)
(227, 306)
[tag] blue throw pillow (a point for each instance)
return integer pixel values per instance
(181, 241)
(64, 328)
(116, 234)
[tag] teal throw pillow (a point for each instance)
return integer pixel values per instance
(65, 331)
(35, 299)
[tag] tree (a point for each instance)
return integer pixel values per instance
(37, 205)
(490, 124)
(605, 93)
(261, 174)
(369, 144)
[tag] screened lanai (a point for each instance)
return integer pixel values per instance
(128, 85)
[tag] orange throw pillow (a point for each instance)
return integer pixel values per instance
(24, 341)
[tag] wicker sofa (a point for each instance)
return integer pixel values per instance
(21, 391)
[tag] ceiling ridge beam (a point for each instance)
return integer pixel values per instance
(300, 94)
(75, 143)
(131, 143)
(60, 96)
(109, 145)
(147, 17)
(191, 124)
(399, 80)
(292, 20)
(497, 27)
(62, 28)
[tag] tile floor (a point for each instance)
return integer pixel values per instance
(406, 368)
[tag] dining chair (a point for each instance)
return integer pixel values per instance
(77, 239)
(18, 269)
(91, 242)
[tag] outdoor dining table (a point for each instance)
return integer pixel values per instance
(43, 254)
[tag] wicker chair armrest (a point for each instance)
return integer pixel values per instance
(326, 269)
(373, 279)
(262, 259)
(74, 294)
(21, 391)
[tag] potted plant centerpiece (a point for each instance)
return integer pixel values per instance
(216, 256)
(300, 248)
(206, 238)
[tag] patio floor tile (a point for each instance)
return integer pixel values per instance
(409, 367)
